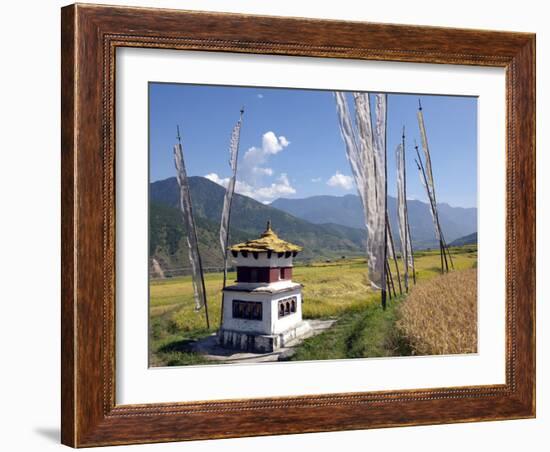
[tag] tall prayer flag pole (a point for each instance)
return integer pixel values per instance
(365, 151)
(410, 253)
(430, 185)
(404, 227)
(229, 192)
(186, 208)
(380, 152)
(228, 200)
(392, 254)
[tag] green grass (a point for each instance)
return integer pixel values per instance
(366, 332)
(337, 289)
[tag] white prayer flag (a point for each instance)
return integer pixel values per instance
(402, 215)
(365, 154)
(432, 206)
(428, 166)
(230, 189)
(189, 223)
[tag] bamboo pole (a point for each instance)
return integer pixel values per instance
(385, 192)
(450, 256)
(412, 254)
(389, 278)
(408, 226)
(445, 255)
(434, 209)
(226, 248)
(443, 244)
(393, 252)
(405, 246)
(448, 253)
(392, 281)
(198, 252)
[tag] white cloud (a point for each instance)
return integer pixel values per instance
(217, 179)
(255, 178)
(254, 169)
(240, 187)
(260, 96)
(341, 181)
(281, 187)
(262, 171)
(316, 179)
(271, 145)
(284, 142)
(254, 160)
(244, 189)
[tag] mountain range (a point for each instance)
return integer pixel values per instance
(248, 219)
(456, 222)
(470, 239)
(325, 226)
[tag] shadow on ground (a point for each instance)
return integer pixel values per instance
(50, 433)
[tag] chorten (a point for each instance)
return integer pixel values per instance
(262, 311)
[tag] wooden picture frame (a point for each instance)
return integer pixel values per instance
(90, 36)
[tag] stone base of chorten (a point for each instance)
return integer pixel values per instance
(263, 343)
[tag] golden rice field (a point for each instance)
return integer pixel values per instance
(439, 317)
(331, 290)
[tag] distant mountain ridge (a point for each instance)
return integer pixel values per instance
(326, 226)
(456, 222)
(248, 219)
(470, 239)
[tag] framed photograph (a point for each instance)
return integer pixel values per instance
(282, 225)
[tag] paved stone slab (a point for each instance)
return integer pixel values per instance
(210, 349)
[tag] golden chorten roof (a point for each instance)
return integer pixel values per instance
(268, 241)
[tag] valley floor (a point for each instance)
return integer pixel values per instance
(337, 289)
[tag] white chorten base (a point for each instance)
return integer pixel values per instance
(262, 343)
(262, 317)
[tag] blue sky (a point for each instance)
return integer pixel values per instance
(291, 145)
